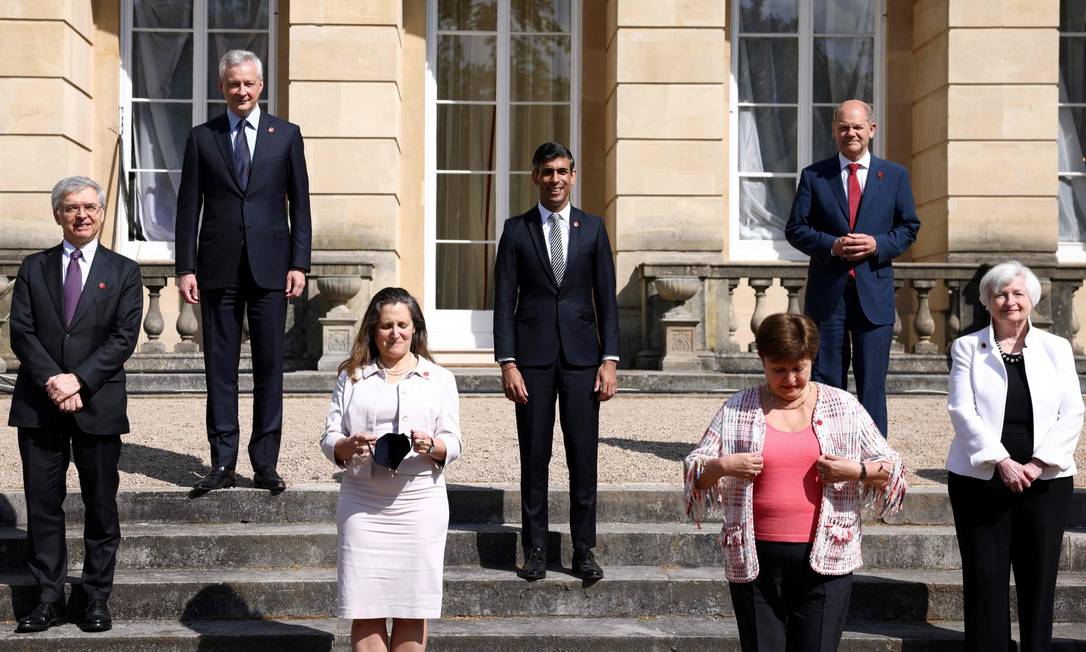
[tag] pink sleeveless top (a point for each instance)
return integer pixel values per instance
(787, 493)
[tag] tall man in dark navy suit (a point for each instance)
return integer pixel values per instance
(242, 169)
(556, 338)
(75, 319)
(853, 214)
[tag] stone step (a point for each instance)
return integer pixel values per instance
(313, 545)
(468, 503)
(471, 592)
(548, 634)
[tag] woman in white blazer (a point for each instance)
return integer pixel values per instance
(1017, 410)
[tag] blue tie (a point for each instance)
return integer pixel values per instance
(241, 156)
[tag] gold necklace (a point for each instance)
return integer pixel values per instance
(786, 405)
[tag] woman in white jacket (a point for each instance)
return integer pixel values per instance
(1017, 410)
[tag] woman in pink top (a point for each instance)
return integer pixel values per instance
(789, 465)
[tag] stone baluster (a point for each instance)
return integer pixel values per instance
(731, 346)
(924, 323)
(761, 311)
(792, 286)
(954, 311)
(153, 323)
(896, 345)
(337, 325)
(1075, 346)
(186, 329)
(5, 287)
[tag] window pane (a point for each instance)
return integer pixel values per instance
(172, 14)
(532, 125)
(523, 194)
(162, 65)
(539, 68)
(465, 68)
(156, 204)
(768, 16)
(215, 109)
(845, 17)
(822, 143)
(465, 276)
(843, 69)
(220, 44)
(237, 14)
(1072, 199)
(767, 139)
(1072, 139)
(466, 206)
(465, 137)
(768, 70)
(160, 133)
(467, 15)
(1073, 15)
(1072, 69)
(763, 207)
(540, 15)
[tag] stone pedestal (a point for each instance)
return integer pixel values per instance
(679, 350)
(337, 326)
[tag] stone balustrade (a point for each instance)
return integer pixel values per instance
(320, 324)
(705, 296)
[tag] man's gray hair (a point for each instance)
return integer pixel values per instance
(69, 185)
(867, 108)
(1002, 274)
(238, 57)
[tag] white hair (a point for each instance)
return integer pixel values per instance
(237, 58)
(68, 185)
(1003, 274)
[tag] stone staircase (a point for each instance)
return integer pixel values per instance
(242, 570)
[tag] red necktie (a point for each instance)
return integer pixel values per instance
(854, 194)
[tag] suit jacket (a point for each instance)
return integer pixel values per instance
(534, 317)
(95, 347)
(820, 215)
(978, 398)
(255, 217)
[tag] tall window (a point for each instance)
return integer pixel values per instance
(504, 81)
(170, 54)
(1072, 139)
(793, 62)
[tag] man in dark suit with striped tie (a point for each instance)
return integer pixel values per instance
(243, 256)
(75, 319)
(556, 338)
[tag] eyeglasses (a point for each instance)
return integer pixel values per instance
(73, 209)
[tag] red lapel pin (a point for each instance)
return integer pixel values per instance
(426, 374)
(881, 175)
(101, 286)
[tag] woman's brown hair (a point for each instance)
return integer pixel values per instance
(364, 351)
(787, 337)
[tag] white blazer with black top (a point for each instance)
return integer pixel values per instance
(978, 397)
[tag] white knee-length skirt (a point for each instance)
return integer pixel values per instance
(391, 555)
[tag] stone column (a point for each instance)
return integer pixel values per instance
(985, 81)
(666, 88)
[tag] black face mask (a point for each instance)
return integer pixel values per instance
(390, 449)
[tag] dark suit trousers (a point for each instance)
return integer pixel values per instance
(998, 529)
(848, 337)
(579, 412)
(222, 314)
(45, 454)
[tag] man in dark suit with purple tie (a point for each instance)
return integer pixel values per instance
(556, 338)
(75, 319)
(237, 254)
(853, 214)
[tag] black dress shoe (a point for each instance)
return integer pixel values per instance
(219, 478)
(96, 618)
(270, 481)
(535, 565)
(44, 616)
(585, 566)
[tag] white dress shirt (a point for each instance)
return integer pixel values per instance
(252, 122)
(861, 174)
(85, 260)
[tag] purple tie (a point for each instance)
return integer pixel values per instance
(73, 287)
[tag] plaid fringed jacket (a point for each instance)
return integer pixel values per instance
(843, 428)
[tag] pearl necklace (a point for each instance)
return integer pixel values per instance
(781, 404)
(397, 370)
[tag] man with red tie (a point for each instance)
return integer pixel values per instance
(853, 214)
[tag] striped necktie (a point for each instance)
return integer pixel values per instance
(558, 262)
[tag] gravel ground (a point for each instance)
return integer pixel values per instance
(643, 438)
